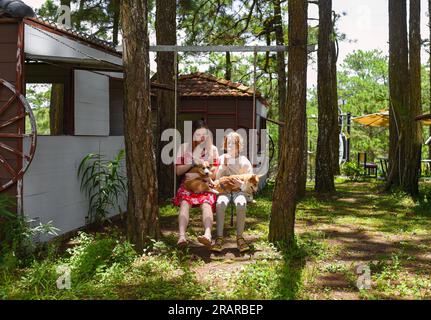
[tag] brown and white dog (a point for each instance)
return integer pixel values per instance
(226, 184)
(202, 183)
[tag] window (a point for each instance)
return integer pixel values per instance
(47, 103)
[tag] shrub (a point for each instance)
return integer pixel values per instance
(352, 171)
(94, 255)
(17, 238)
(103, 181)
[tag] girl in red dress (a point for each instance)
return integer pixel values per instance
(189, 155)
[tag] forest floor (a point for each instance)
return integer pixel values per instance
(358, 237)
(340, 240)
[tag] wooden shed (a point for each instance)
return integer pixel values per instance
(87, 76)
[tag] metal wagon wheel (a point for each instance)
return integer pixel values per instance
(25, 156)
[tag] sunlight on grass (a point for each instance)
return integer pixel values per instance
(330, 234)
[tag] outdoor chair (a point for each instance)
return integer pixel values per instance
(370, 168)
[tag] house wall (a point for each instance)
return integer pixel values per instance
(91, 92)
(51, 189)
(220, 112)
(245, 113)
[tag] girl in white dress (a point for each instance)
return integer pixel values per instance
(232, 163)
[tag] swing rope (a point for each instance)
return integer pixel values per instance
(175, 117)
(231, 209)
(254, 126)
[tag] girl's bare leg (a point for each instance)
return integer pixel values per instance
(183, 220)
(207, 219)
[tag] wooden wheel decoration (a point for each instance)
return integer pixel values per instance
(24, 157)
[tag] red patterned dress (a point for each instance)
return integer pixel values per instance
(194, 199)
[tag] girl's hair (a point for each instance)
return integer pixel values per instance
(239, 141)
(199, 124)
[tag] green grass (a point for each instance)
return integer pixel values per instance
(389, 232)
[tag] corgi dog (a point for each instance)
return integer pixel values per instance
(202, 183)
(227, 184)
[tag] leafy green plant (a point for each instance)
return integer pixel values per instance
(90, 256)
(103, 181)
(352, 171)
(17, 236)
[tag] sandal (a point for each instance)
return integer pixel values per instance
(242, 245)
(205, 241)
(218, 245)
(182, 244)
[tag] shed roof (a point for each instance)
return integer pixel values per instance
(18, 9)
(200, 84)
(73, 33)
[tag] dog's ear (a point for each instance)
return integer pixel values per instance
(254, 178)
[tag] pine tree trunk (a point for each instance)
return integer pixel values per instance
(165, 35)
(398, 90)
(142, 206)
(413, 134)
(228, 74)
(325, 141)
(302, 186)
(116, 21)
(56, 109)
(281, 70)
(282, 222)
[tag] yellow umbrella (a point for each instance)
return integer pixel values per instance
(379, 119)
(425, 119)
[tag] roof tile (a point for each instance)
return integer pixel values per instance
(204, 84)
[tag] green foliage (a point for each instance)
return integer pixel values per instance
(257, 281)
(94, 255)
(352, 171)
(363, 87)
(104, 266)
(17, 236)
(39, 98)
(103, 181)
(93, 17)
(41, 116)
(38, 95)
